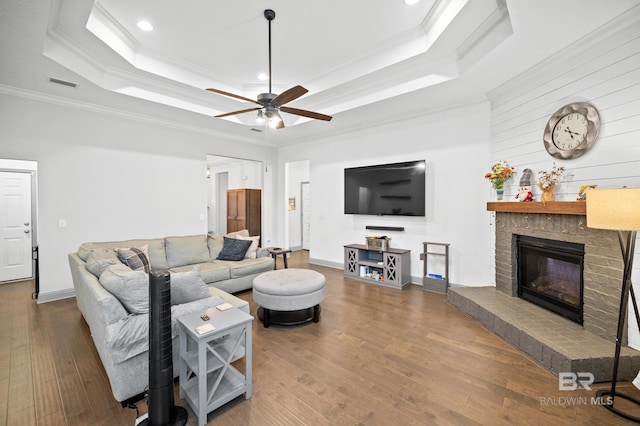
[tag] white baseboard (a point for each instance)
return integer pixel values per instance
(336, 265)
(56, 295)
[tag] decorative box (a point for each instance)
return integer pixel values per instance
(377, 243)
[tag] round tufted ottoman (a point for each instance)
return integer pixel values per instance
(289, 296)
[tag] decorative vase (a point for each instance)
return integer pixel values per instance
(548, 194)
(499, 194)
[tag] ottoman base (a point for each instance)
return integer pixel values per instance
(300, 316)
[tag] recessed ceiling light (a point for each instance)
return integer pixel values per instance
(145, 26)
(411, 2)
(263, 77)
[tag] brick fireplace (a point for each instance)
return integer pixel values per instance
(554, 341)
(602, 273)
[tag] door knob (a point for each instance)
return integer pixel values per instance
(26, 231)
(26, 224)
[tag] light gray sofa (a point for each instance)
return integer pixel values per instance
(120, 337)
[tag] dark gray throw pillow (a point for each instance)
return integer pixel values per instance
(234, 249)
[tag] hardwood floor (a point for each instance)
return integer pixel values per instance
(378, 356)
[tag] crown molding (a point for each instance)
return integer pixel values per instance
(127, 115)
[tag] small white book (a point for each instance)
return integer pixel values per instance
(224, 306)
(205, 328)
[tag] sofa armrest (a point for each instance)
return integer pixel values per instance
(262, 252)
(230, 298)
(98, 307)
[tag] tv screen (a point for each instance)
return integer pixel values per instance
(386, 189)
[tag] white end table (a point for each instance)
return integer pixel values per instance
(207, 378)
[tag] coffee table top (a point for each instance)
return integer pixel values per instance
(289, 282)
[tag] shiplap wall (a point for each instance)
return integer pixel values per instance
(603, 69)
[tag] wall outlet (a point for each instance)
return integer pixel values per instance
(62, 223)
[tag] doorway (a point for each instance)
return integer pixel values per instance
(305, 190)
(18, 221)
(298, 199)
(224, 173)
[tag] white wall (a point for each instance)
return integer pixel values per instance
(112, 178)
(454, 144)
(603, 69)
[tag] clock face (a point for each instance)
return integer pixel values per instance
(571, 130)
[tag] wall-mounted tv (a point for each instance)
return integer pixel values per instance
(386, 189)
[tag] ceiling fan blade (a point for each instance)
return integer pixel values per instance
(237, 112)
(289, 95)
(233, 96)
(306, 113)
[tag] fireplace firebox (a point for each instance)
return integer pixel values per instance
(550, 274)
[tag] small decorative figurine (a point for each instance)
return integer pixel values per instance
(524, 192)
(582, 195)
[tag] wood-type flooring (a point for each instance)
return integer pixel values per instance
(378, 356)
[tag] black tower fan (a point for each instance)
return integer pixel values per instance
(162, 410)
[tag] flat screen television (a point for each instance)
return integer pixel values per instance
(386, 189)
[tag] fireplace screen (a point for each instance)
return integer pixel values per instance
(550, 275)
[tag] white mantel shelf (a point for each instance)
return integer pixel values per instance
(550, 207)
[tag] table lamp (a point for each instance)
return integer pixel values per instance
(619, 210)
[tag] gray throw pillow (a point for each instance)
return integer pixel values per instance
(135, 258)
(100, 259)
(234, 249)
(131, 288)
(188, 286)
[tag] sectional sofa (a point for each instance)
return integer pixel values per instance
(118, 318)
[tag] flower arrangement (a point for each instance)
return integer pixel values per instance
(500, 173)
(546, 180)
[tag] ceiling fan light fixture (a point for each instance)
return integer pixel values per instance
(271, 104)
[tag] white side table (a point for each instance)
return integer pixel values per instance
(207, 378)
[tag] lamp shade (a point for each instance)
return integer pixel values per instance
(617, 209)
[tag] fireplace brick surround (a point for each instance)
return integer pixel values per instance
(555, 342)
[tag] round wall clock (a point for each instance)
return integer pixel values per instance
(572, 130)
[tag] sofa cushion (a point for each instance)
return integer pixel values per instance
(131, 288)
(100, 259)
(188, 286)
(186, 250)
(210, 272)
(215, 243)
(130, 336)
(253, 248)
(157, 255)
(234, 249)
(136, 258)
(246, 267)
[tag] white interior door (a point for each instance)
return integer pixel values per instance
(306, 215)
(15, 226)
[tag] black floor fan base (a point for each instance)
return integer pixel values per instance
(181, 417)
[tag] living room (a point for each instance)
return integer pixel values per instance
(116, 167)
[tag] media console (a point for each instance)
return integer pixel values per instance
(390, 268)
